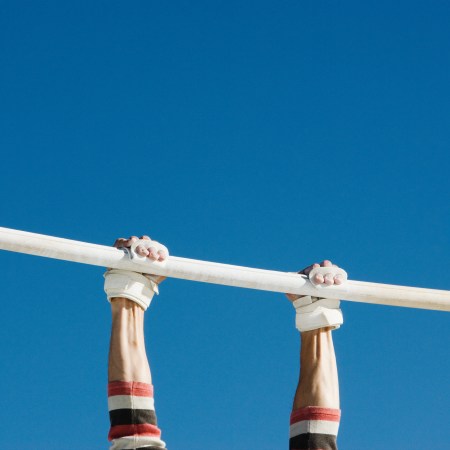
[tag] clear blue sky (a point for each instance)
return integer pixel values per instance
(270, 134)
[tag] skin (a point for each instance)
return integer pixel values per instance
(318, 382)
(127, 354)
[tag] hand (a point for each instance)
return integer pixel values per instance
(151, 253)
(328, 279)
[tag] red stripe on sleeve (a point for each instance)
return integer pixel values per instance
(130, 388)
(315, 413)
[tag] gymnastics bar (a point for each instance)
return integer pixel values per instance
(210, 272)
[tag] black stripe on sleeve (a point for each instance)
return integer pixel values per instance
(151, 448)
(312, 441)
(132, 417)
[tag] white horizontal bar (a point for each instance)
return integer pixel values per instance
(209, 272)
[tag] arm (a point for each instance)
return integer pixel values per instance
(315, 414)
(130, 389)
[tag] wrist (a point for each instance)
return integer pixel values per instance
(133, 286)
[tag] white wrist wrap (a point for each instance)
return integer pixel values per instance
(313, 313)
(132, 285)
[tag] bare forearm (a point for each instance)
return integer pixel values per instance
(127, 355)
(318, 383)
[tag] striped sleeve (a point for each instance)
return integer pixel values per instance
(132, 416)
(314, 428)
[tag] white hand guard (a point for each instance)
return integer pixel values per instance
(148, 244)
(313, 313)
(138, 287)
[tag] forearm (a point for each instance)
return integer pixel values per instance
(318, 383)
(127, 356)
(315, 417)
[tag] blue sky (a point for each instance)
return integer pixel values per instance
(267, 134)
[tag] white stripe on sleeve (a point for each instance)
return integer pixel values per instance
(314, 426)
(130, 402)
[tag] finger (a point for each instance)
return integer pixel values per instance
(318, 278)
(329, 279)
(119, 242)
(162, 255)
(309, 268)
(130, 241)
(145, 237)
(292, 297)
(326, 263)
(153, 253)
(338, 279)
(141, 250)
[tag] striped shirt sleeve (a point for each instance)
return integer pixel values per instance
(132, 416)
(314, 428)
